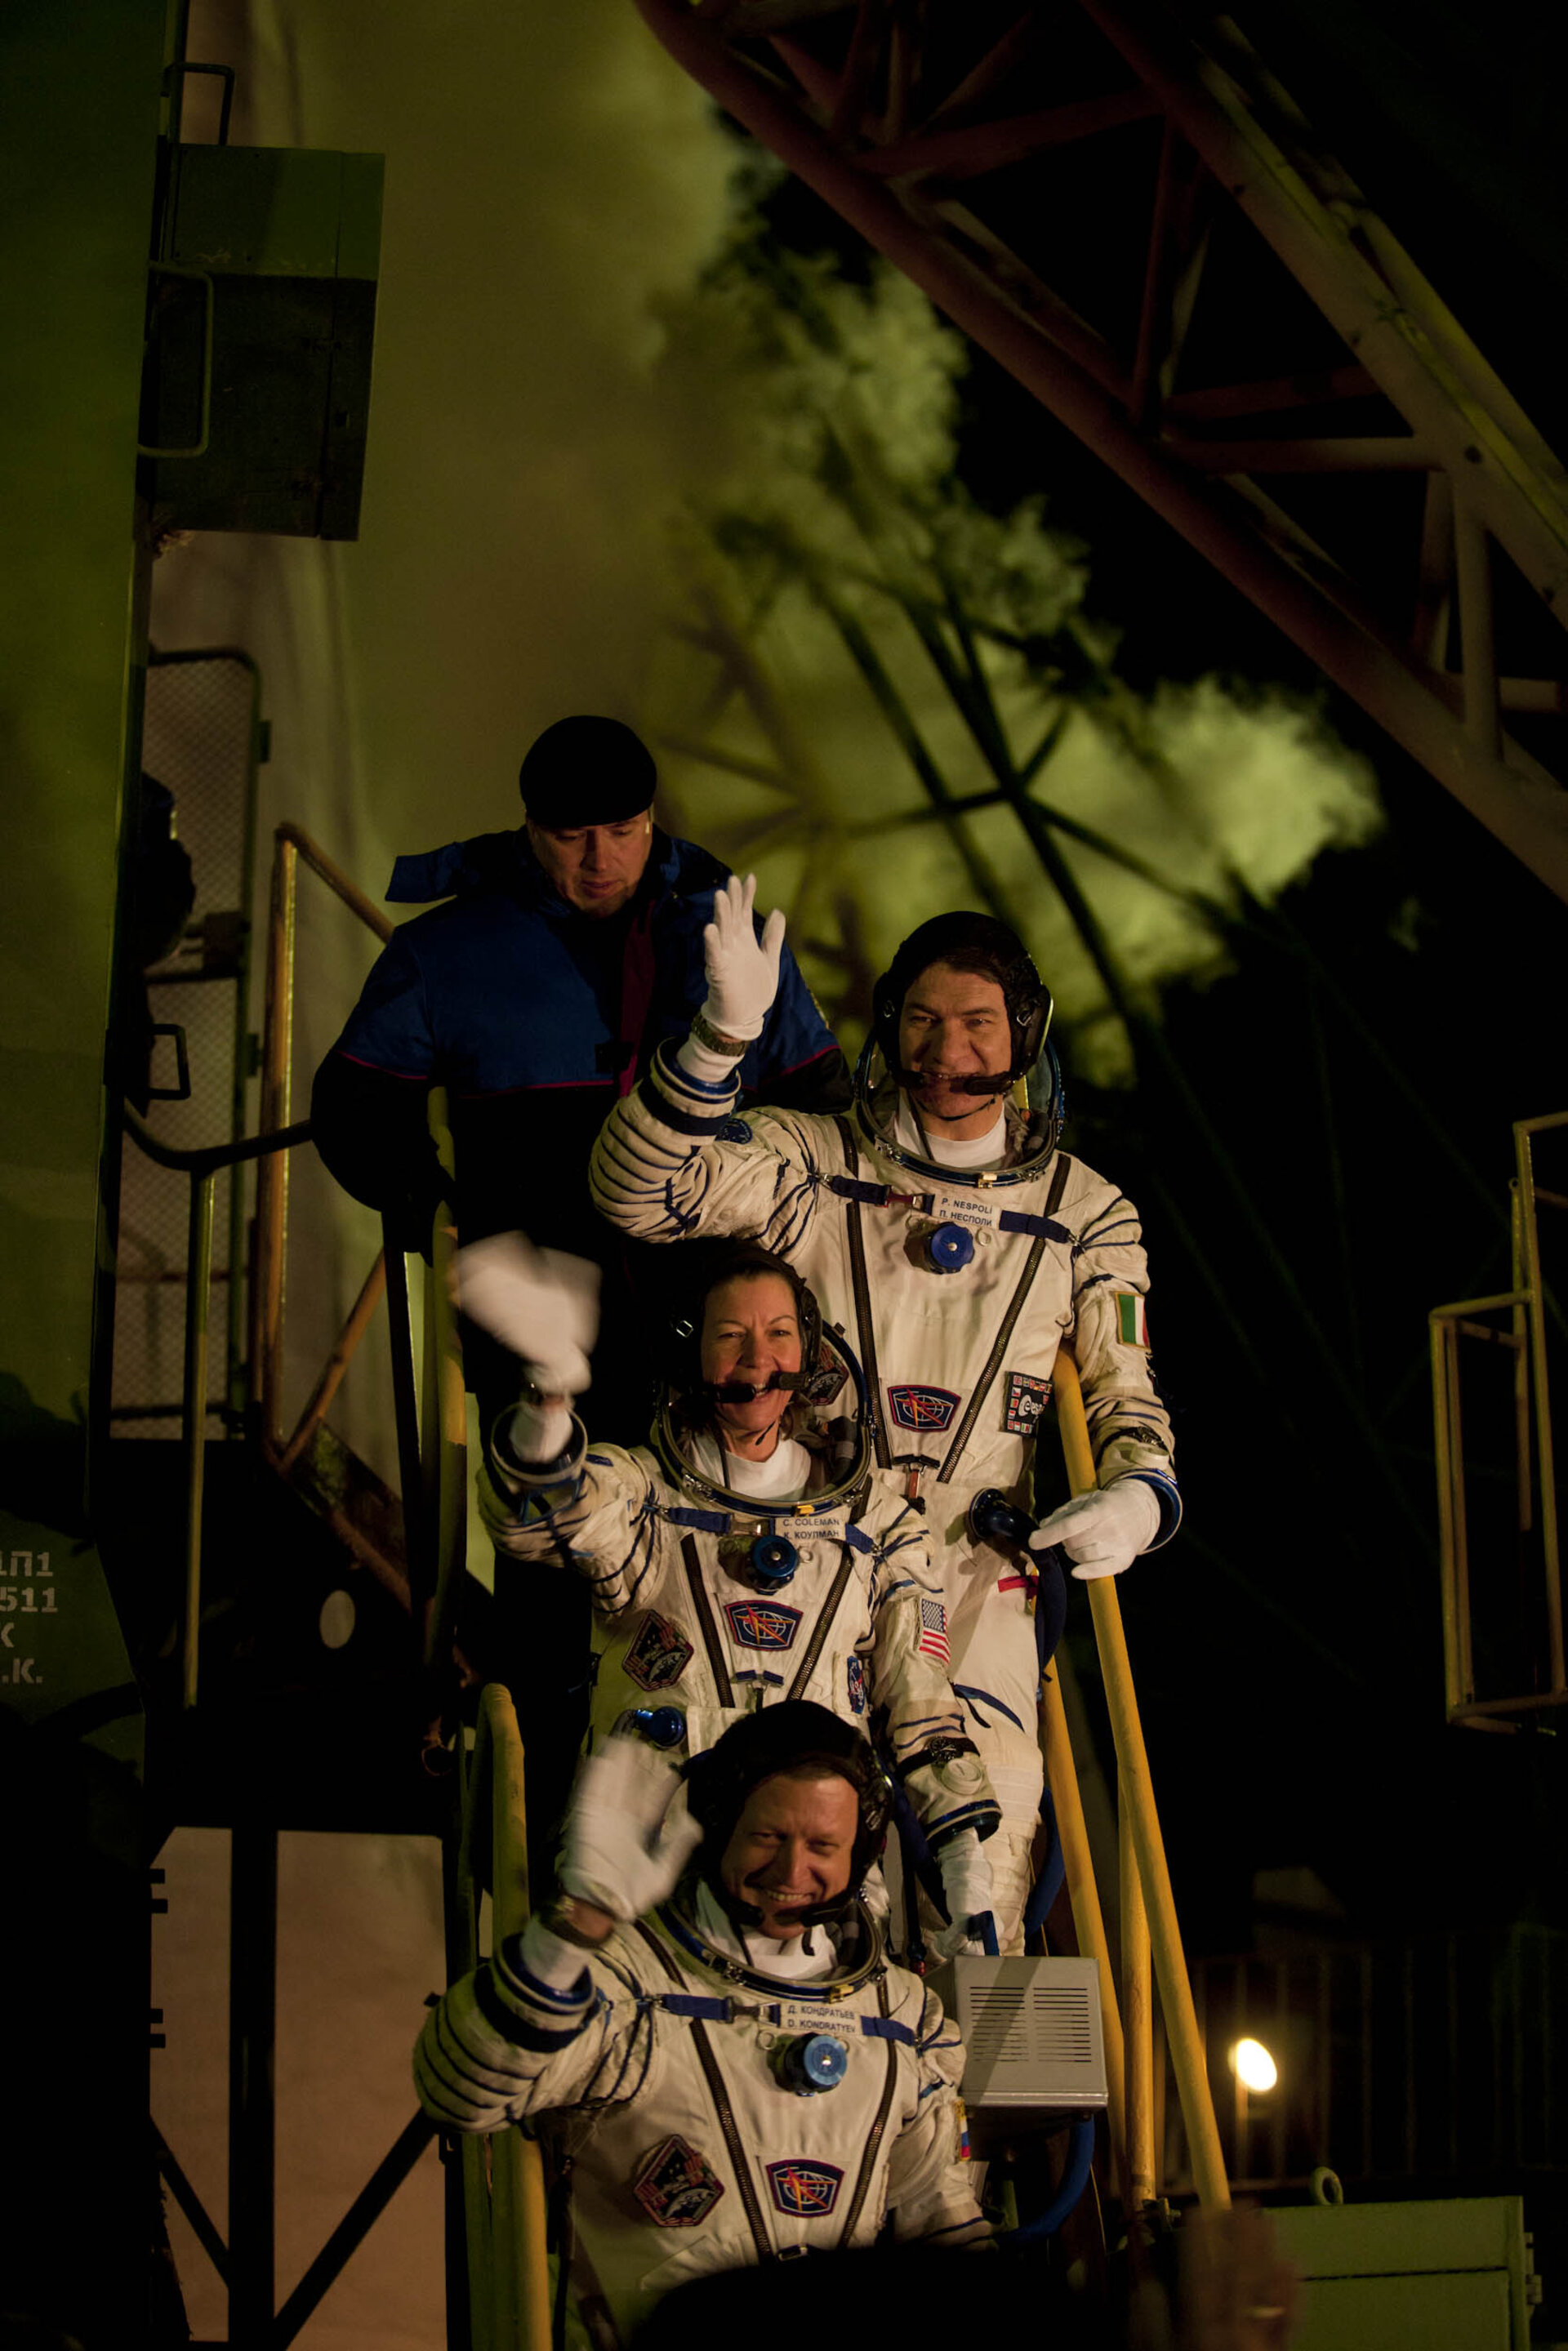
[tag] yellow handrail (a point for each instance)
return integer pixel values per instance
(272, 1176)
(293, 847)
(1140, 1818)
(508, 2278)
(444, 1422)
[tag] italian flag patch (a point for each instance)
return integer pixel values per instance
(1132, 1320)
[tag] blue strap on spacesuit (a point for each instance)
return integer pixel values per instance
(719, 1522)
(882, 1195)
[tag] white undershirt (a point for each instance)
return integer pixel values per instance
(975, 1151)
(762, 1954)
(782, 1478)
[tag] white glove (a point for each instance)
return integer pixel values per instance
(628, 1835)
(965, 1889)
(541, 1303)
(1103, 1532)
(742, 972)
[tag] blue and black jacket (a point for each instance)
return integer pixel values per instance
(535, 1017)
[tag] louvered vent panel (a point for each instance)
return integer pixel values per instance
(1031, 2033)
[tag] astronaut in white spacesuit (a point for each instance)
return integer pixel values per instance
(746, 1556)
(945, 1231)
(722, 2051)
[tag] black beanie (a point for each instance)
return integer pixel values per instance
(586, 772)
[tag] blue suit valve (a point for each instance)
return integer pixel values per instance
(812, 2063)
(774, 1560)
(948, 1248)
(661, 1726)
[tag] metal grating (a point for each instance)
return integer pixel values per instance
(1444, 2055)
(201, 739)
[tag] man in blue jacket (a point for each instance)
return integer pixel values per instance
(562, 954)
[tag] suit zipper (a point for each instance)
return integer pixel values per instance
(722, 1686)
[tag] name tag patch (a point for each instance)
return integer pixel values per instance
(804, 2191)
(762, 1623)
(921, 1408)
(660, 1654)
(1025, 1396)
(676, 2185)
(811, 2016)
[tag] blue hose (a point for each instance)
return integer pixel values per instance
(1053, 1870)
(1074, 2181)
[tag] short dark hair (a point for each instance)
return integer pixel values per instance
(964, 942)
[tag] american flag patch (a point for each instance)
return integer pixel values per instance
(933, 1641)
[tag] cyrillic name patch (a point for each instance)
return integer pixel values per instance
(1026, 1395)
(676, 2185)
(660, 1654)
(805, 2191)
(762, 1623)
(920, 1408)
(1132, 1320)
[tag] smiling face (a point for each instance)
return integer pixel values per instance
(954, 1025)
(751, 1329)
(791, 1849)
(595, 867)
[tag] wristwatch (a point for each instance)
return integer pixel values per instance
(562, 1918)
(716, 1042)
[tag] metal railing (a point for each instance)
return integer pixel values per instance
(1534, 1468)
(430, 1411)
(502, 2173)
(203, 1167)
(432, 1448)
(292, 844)
(1150, 1936)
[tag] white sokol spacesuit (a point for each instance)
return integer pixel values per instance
(724, 2098)
(721, 1585)
(957, 1284)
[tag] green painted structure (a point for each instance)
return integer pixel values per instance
(79, 95)
(1448, 2275)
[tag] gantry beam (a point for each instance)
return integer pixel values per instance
(919, 144)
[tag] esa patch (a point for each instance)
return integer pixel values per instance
(733, 1130)
(805, 2191)
(762, 1623)
(660, 1654)
(923, 1408)
(676, 2185)
(855, 1667)
(1025, 1396)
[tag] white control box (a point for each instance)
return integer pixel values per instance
(1034, 2047)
